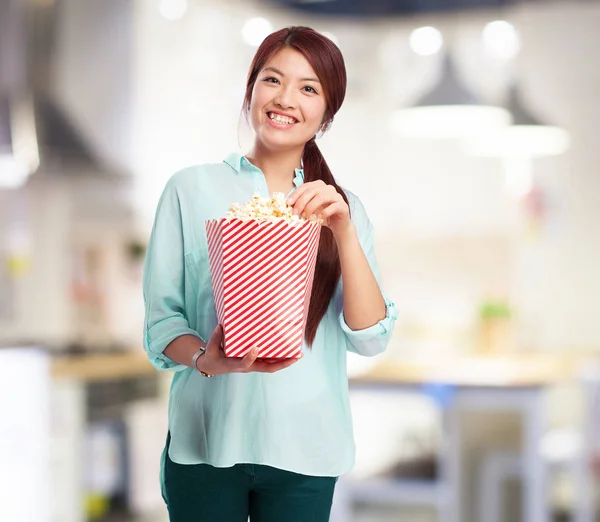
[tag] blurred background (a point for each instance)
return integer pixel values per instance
(470, 132)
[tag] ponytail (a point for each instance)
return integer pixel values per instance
(328, 269)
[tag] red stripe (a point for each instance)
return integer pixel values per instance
(280, 332)
(266, 300)
(235, 228)
(292, 310)
(213, 233)
(292, 306)
(311, 261)
(276, 279)
(272, 254)
(248, 238)
(247, 298)
(276, 284)
(263, 315)
(253, 256)
(282, 337)
(293, 352)
(212, 228)
(267, 309)
(292, 346)
(275, 271)
(299, 322)
(212, 243)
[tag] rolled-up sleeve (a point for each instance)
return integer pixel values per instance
(374, 339)
(164, 282)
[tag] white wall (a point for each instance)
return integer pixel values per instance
(557, 283)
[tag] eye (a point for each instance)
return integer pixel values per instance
(271, 79)
(310, 89)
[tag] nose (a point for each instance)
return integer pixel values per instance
(285, 98)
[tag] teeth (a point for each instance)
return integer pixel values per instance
(281, 119)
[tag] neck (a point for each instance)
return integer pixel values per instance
(278, 167)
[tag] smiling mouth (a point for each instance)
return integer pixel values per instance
(281, 120)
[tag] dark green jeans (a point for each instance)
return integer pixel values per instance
(203, 493)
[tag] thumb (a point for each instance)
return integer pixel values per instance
(250, 357)
(216, 339)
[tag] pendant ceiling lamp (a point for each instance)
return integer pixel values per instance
(526, 137)
(18, 142)
(448, 111)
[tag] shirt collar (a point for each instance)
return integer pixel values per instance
(237, 162)
(234, 160)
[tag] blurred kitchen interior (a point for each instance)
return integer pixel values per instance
(470, 132)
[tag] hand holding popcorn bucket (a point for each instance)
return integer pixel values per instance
(262, 262)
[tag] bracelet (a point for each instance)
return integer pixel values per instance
(195, 357)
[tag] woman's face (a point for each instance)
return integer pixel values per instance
(288, 103)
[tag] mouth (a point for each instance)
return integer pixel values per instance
(281, 120)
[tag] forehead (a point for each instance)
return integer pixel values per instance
(291, 63)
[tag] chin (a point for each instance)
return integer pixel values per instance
(281, 144)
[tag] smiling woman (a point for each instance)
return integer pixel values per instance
(294, 414)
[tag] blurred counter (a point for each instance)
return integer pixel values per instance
(516, 370)
(101, 367)
(510, 370)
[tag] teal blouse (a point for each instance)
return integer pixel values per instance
(297, 419)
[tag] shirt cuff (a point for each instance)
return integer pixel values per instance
(156, 346)
(163, 363)
(377, 330)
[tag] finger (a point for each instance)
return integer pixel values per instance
(269, 361)
(310, 185)
(317, 204)
(333, 209)
(293, 197)
(302, 201)
(264, 367)
(274, 361)
(249, 359)
(280, 366)
(216, 339)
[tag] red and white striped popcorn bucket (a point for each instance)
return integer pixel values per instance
(262, 274)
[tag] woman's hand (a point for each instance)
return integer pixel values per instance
(215, 362)
(323, 201)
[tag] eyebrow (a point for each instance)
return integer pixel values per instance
(275, 70)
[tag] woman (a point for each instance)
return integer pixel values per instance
(264, 439)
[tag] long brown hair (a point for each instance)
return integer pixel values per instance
(328, 63)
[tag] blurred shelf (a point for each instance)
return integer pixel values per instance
(102, 367)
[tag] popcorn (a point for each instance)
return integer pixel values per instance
(265, 209)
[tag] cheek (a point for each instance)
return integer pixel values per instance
(254, 114)
(257, 103)
(314, 114)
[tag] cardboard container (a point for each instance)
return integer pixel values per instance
(262, 274)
